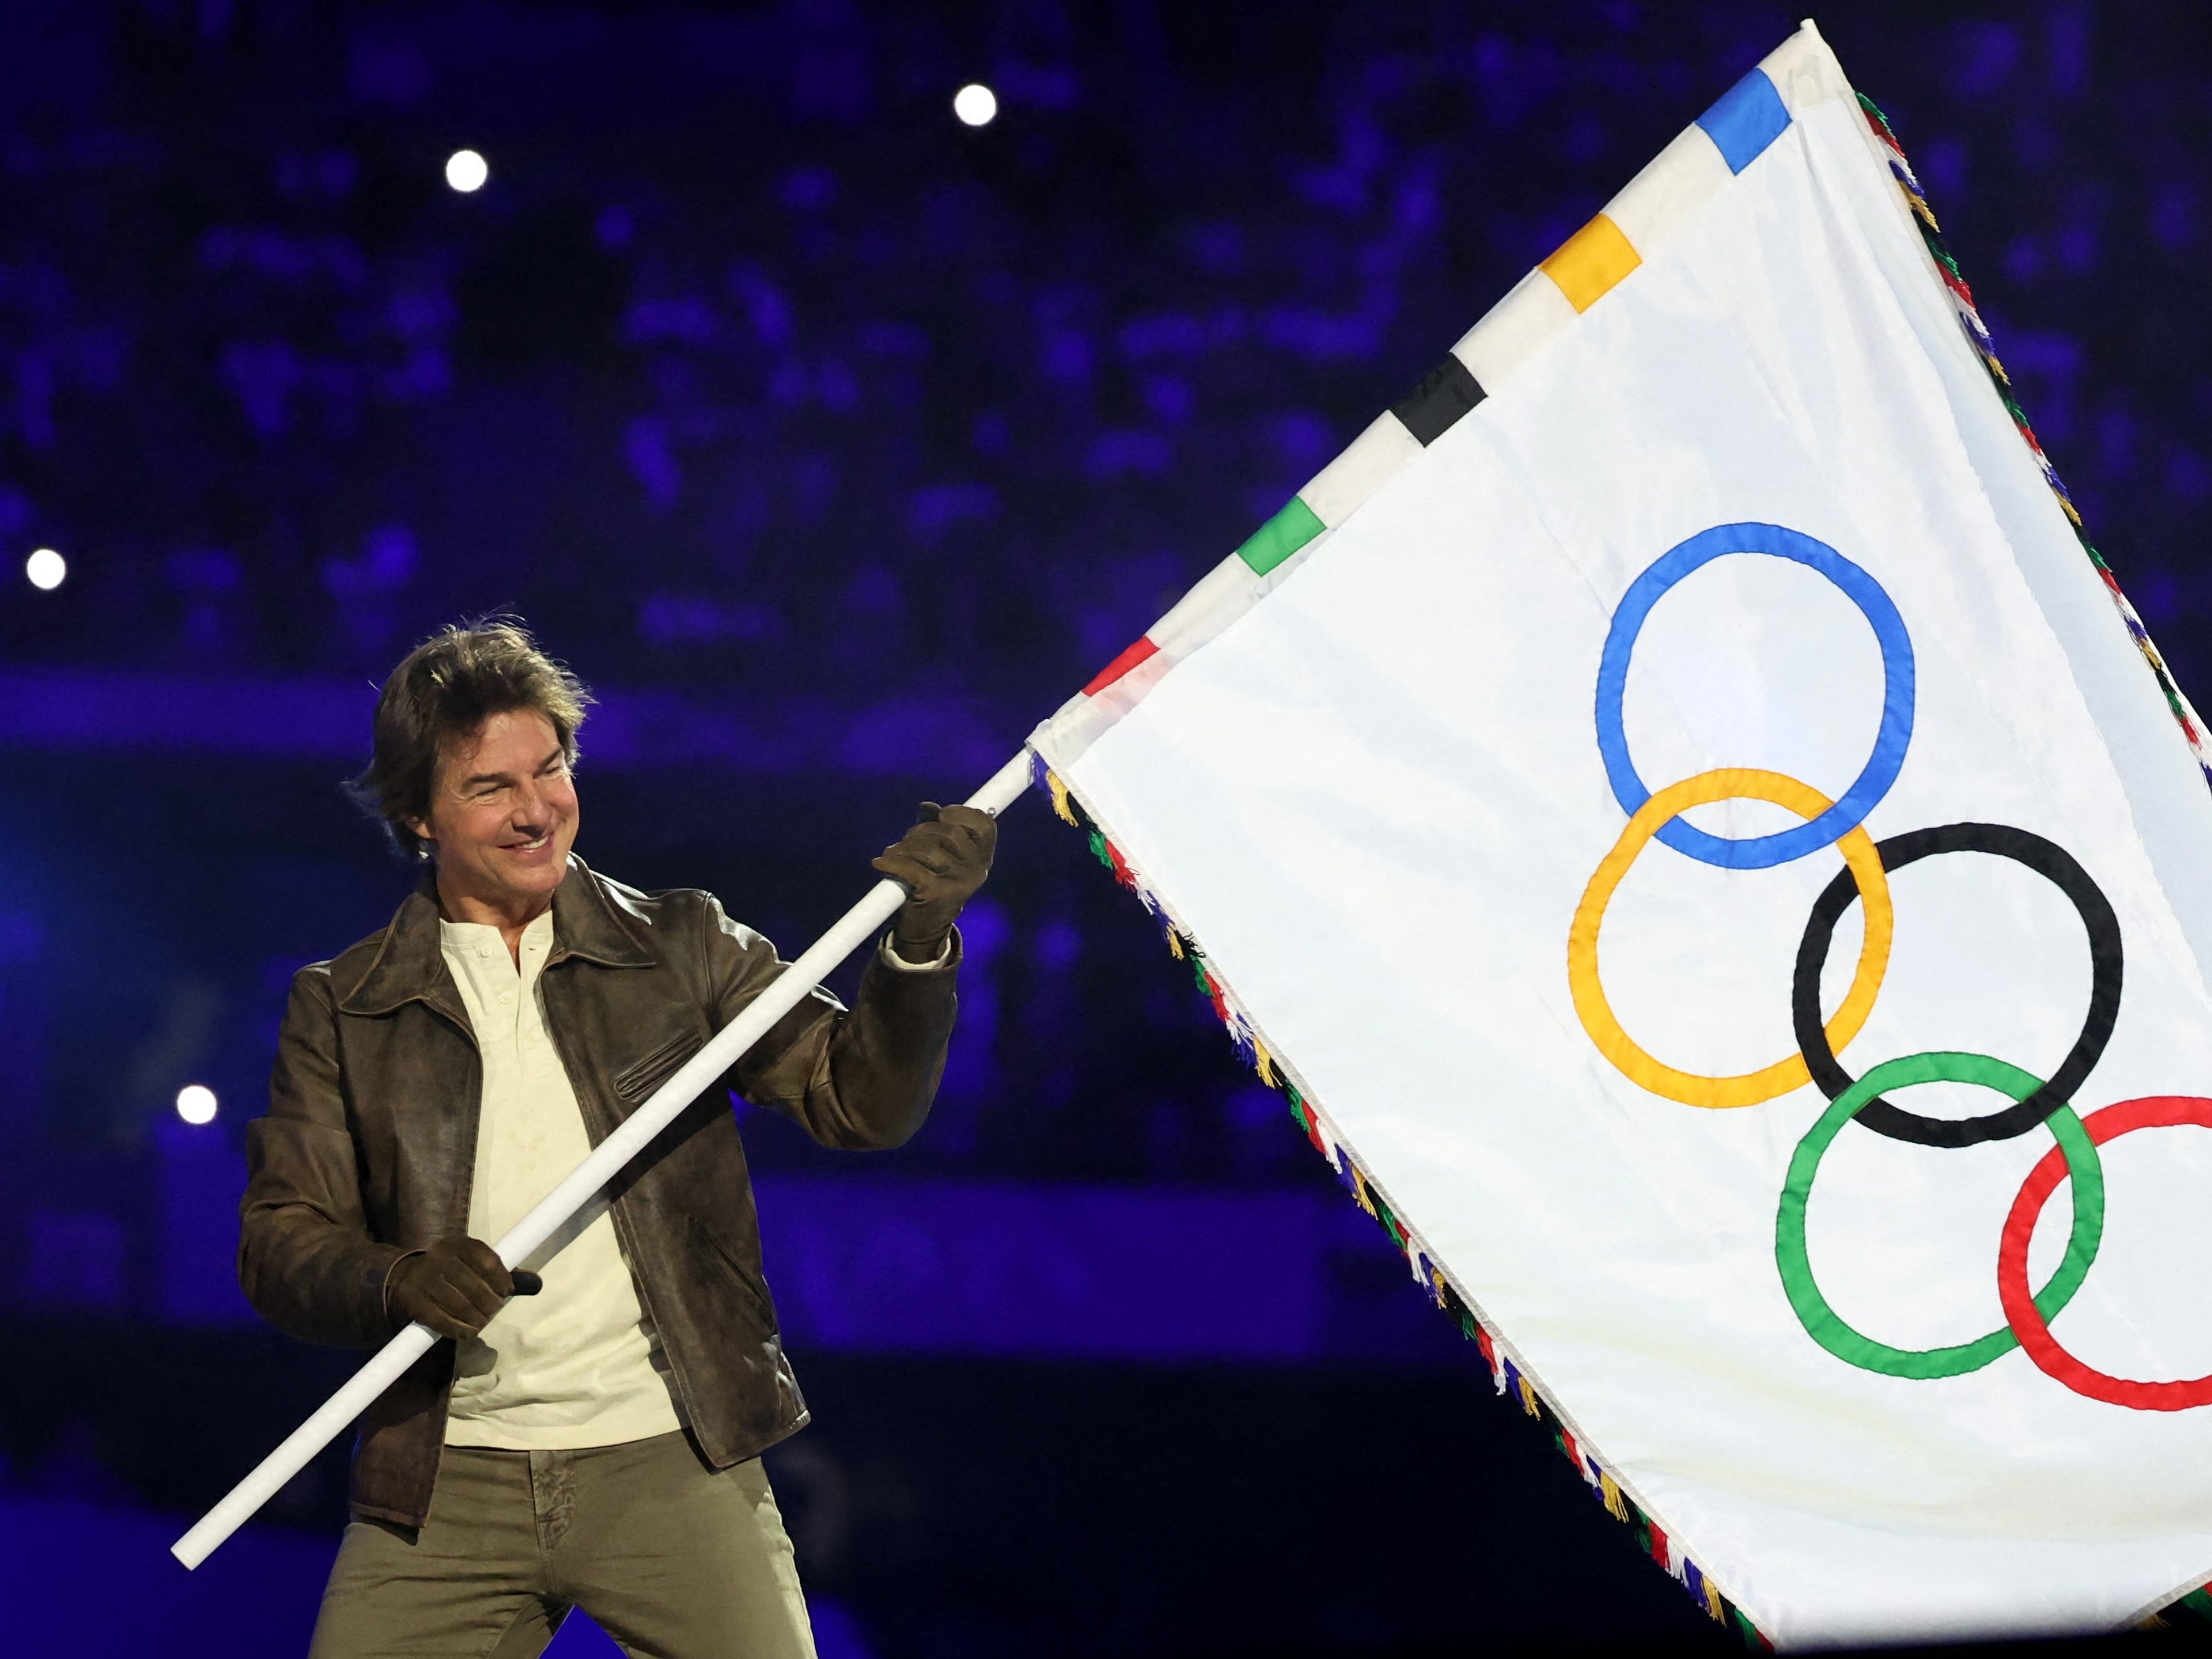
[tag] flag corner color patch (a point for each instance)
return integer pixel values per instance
(1745, 119)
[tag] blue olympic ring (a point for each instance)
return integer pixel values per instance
(1759, 852)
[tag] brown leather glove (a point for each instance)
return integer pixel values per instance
(943, 860)
(454, 1287)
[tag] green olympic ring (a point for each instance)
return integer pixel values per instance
(1824, 1325)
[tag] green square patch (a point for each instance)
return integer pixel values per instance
(1280, 536)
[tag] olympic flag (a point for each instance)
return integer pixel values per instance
(1832, 1168)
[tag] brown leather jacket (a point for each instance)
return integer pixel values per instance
(369, 1146)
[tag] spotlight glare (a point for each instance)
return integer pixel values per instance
(466, 171)
(45, 569)
(196, 1103)
(976, 103)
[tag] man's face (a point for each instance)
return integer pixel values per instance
(502, 813)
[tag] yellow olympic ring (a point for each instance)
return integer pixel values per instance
(1729, 783)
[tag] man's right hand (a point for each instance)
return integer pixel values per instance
(454, 1287)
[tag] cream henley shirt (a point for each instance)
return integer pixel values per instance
(576, 1365)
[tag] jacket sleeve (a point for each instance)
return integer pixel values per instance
(862, 1078)
(306, 1260)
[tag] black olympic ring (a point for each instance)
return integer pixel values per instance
(2048, 859)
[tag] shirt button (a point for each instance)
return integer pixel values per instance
(506, 996)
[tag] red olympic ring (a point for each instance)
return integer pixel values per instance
(2148, 1112)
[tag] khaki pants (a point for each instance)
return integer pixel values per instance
(673, 1559)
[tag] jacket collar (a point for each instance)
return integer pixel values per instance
(588, 923)
(406, 962)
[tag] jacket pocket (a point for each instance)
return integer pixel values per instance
(637, 1080)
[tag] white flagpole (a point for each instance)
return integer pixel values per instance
(858, 926)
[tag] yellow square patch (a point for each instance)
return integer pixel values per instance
(1591, 261)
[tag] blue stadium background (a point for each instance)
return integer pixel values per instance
(835, 442)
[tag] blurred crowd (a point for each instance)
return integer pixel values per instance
(752, 368)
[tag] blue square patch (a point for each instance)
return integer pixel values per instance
(1745, 119)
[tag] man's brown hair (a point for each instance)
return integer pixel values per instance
(444, 689)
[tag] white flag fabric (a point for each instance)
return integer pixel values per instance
(1723, 874)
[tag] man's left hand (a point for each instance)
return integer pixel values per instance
(943, 860)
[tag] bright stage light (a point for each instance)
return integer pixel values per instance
(466, 171)
(196, 1103)
(46, 569)
(976, 103)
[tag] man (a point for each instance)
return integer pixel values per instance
(597, 1445)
